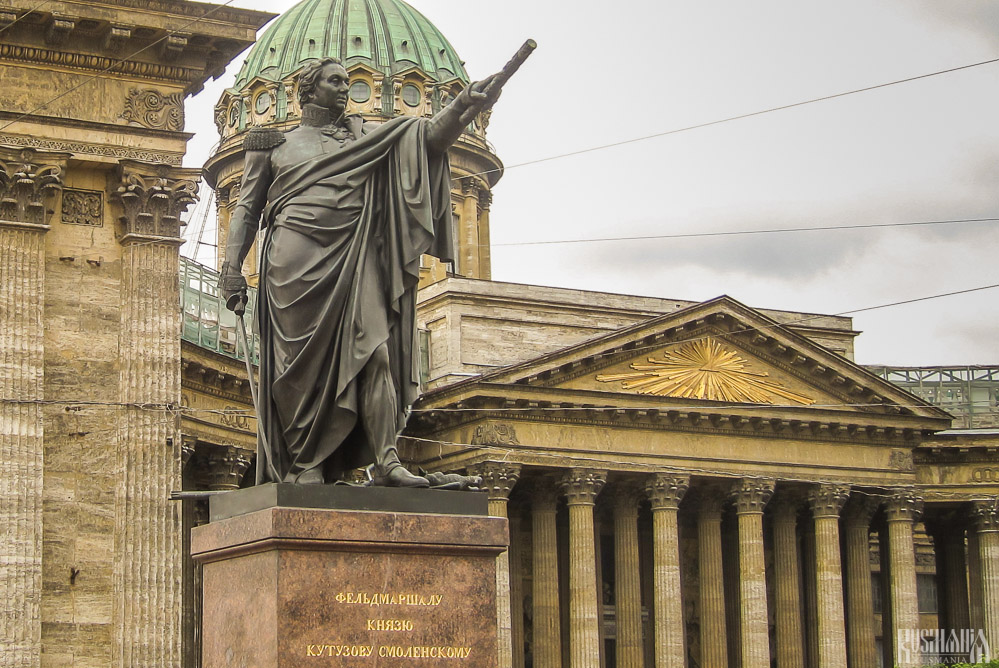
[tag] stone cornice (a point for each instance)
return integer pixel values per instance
(796, 423)
(103, 64)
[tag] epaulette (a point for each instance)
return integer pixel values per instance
(262, 139)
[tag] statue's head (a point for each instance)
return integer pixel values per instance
(315, 84)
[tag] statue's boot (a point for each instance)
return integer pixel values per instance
(400, 477)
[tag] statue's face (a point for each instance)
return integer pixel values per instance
(331, 88)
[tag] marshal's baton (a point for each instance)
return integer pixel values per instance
(494, 87)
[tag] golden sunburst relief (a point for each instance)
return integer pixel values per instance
(704, 369)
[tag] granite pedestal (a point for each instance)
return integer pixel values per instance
(339, 576)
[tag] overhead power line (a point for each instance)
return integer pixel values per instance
(692, 235)
(740, 117)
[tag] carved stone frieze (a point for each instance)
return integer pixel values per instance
(903, 505)
(151, 204)
(173, 159)
(751, 495)
(495, 434)
(901, 460)
(152, 109)
(581, 486)
(27, 187)
(827, 500)
(82, 207)
(666, 490)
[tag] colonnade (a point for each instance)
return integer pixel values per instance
(802, 596)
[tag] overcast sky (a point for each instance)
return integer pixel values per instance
(608, 72)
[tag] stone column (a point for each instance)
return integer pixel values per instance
(986, 514)
(27, 189)
(751, 496)
(711, 582)
(826, 501)
(516, 587)
(148, 560)
(485, 253)
(901, 511)
(790, 648)
(975, 613)
(665, 491)
(498, 479)
(860, 630)
(581, 487)
(544, 540)
(468, 229)
(627, 579)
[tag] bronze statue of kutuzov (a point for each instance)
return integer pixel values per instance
(349, 207)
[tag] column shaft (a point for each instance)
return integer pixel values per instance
(148, 560)
(516, 589)
(861, 648)
(955, 580)
(665, 492)
(787, 587)
(627, 581)
(581, 488)
(902, 509)
(974, 581)
(498, 479)
(546, 614)
(826, 502)
(987, 525)
(751, 497)
(22, 359)
(714, 649)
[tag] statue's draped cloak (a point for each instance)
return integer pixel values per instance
(338, 275)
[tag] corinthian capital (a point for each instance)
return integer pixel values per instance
(666, 490)
(581, 486)
(903, 505)
(827, 500)
(498, 478)
(751, 495)
(152, 199)
(986, 515)
(29, 183)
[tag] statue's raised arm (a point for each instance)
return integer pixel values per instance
(446, 127)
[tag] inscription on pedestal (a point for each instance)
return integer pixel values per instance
(395, 649)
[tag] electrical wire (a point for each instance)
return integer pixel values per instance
(730, 119)
(693, 235)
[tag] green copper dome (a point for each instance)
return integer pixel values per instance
(387, 35)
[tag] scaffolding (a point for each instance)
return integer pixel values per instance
(969, 393)
(207, 323)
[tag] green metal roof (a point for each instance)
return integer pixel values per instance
(387, 35)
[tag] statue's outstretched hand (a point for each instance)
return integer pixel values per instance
(232, 284)
(480, 96)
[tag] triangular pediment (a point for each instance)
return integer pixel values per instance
(717, 353)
